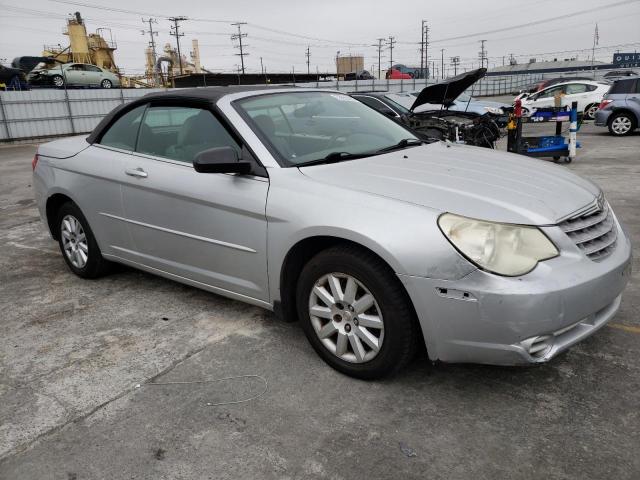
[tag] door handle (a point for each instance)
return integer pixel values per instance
(136, 172)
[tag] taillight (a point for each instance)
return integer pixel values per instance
(34, 162)
(604, 103)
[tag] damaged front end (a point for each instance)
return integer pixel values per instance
(456, 126)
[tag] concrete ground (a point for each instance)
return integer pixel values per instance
(72, 352)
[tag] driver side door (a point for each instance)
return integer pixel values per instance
(209, 228)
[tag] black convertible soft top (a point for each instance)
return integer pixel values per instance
(204, 94)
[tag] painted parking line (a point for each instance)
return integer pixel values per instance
(626, 328)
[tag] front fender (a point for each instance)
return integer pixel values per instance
(404, 235)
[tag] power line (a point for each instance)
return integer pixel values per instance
(175, 32)
(239, 36)
(538, 22)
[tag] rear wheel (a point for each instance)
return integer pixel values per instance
(621, 124)
(57, 80)
(77, 243)
(355, 313)
(106, 83)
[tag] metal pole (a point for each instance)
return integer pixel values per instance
(66, 97)
(5, 120)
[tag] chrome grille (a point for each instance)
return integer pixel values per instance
(593, 231)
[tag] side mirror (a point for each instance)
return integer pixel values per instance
(220, 160)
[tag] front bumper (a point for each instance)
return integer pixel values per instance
(487, 318)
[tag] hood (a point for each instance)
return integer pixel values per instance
(448, 90)
(470, 181)
(27, 64)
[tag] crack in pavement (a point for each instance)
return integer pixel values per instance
(23, 447)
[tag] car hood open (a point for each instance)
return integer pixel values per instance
(448, 90)
(475, 182)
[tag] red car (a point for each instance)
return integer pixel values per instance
(394, 74)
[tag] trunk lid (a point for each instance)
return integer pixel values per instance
(64, 148)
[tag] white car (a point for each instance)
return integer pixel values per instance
(587, 93)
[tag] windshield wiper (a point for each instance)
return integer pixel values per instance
(334, 157)
(404, 143)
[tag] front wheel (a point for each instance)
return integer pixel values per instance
(590, 111)
(355, 313)
(57, 80)
(77, 243)
(106, 83)
(621, 124)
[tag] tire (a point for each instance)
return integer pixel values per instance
(590, 111)
(106, 83)
(398, 338)
(57, 81)
(82, 257)
(622, 124)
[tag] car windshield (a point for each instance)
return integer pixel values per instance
(319, 127)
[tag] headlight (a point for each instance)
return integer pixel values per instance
(494, 110)
(500, 248)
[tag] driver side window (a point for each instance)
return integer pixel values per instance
(181, 133)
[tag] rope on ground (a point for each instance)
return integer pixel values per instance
(215, 380)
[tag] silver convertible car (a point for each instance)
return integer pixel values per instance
(315, 206)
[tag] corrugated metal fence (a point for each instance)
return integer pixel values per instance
(51, 113)
(38, 114)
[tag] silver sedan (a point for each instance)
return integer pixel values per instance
(313, 205)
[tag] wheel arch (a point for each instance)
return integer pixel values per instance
(54, 202)
(296, 258)
(626, 110)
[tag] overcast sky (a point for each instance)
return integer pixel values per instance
(279, 31)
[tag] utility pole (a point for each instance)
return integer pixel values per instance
(455, 61)
(442, 61)
(239, 36)
(152, 44)
(308, 55)
(596, 41)
(175, 32)
(422, 47)
(380, 40)
(426, 47)
(261, 66)
(392, 41)
(483, 54)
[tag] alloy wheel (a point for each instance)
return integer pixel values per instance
(346, 318)
(58, 81)
(621, 125)
(106, 84)
(591, 112)
(74, 241)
